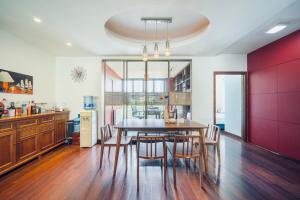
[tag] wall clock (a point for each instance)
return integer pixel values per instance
(78, 74)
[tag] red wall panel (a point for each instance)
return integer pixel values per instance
(274, 96)
(289, 139)
(289, 107)
(288, 76)
(265, 133)
(263, 81)
(264, 106)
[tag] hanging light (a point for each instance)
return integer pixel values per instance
(156, 51)
(145, 53)
(168, 49)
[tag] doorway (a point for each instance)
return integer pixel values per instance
(230, 89)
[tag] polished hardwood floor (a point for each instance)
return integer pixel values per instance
(247, 172)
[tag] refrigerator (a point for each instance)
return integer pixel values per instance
(88, 128)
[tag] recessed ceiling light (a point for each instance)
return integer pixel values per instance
(69, 44)
(276, 28)
(37, 20)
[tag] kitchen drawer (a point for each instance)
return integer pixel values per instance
(9, 126)
(46, 119)
(61, 117)
(26, 132)
(27, 123)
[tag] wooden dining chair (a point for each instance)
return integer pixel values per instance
(212, 138)
(184, 147)
(151, 146)
(108, 140)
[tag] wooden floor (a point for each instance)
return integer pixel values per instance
(69, 172)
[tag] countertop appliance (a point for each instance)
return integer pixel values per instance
(88, 128)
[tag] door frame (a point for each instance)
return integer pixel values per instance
(244, 134)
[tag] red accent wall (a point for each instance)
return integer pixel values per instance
(274, 96)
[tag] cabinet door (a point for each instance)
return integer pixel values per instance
(46, 140)
(27, 147)
(7, 149)
(60, 130)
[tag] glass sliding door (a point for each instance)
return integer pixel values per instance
(143, 90)
(135, 90)
(157, 88)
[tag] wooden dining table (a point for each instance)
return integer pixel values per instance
(158, 125)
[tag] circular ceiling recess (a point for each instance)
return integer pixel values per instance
(186, 25)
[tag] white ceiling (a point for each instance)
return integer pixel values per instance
(236, 26)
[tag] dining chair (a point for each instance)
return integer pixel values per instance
(184, 147)
(108, 140)
(151, 146)
(212, 138)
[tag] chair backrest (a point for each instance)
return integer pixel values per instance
(186, 146)
(105, 133)
(213, 133)
(151, 143)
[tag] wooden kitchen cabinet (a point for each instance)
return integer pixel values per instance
(7, 149)
(27, 137)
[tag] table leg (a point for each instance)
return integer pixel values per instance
(119, 136)
(203, 149)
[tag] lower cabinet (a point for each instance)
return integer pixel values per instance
(60, 130)
(46, 140)
(27, 147)
(25, 138)
(7, 149)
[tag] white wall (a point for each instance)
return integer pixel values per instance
(21, 57)
(202, 82)
(69, 93)
(233, 104)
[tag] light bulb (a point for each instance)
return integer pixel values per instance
(156, 52)
(145, 54)
(167, 50)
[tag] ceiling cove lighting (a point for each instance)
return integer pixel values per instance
(276, 28)
(37, 20)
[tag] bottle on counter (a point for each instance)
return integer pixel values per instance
(18, 109)
(33, 108)
(28, 108)
(12, 110)
(24, 108)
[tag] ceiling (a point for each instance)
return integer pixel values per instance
(235, 26)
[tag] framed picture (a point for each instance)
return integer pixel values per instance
(15, 83)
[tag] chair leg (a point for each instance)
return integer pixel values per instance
(219, 154)
(174, 171)
(101, 156)
(200, 172)
(165, 168)
(108, 151)
(126, 155)
(138, 174)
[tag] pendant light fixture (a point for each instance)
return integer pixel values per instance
(156, 20)
(156, 51)
(145, 53)
(167, 50)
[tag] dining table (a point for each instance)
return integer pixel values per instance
(159, 125)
